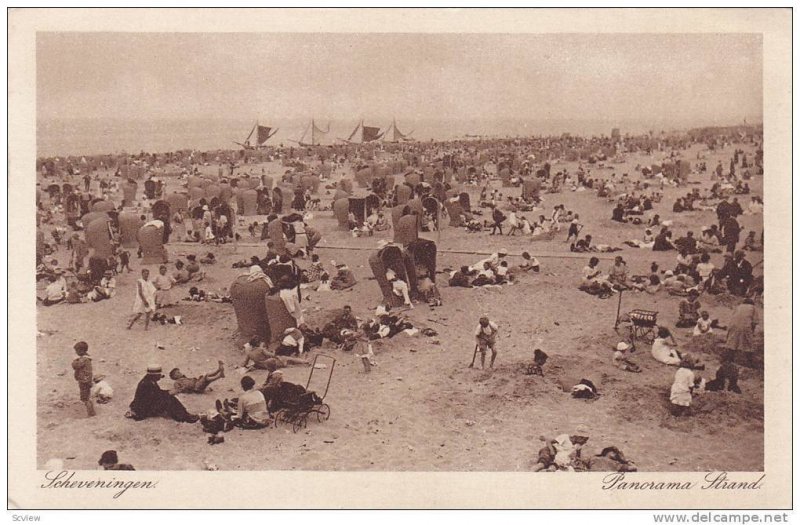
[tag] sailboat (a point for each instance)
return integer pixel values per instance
(263, 134)
(368, 134)
(393, 134)
(317, 134)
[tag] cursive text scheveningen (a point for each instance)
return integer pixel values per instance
(65, 479)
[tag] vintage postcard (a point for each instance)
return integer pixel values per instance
(434, 258)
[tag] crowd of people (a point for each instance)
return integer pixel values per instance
(290, 265)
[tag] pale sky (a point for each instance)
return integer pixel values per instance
(680, 77)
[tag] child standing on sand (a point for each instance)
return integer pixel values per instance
(83, 375)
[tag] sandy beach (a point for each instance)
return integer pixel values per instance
(421, 408)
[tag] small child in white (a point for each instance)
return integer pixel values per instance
(703, 326)
(620, 359)
(101, 390)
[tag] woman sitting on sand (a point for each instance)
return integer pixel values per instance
(594, 282)
(344, 278)
(664, 348)
(705, 269)
(646, 242)
(314, 271)
(751, 244)
(756, 206)
(180, 274)
(663, 241)
(56, 291)
(708, 240)
(618, 275)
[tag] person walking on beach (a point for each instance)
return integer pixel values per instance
(574, 228)
(145, 300)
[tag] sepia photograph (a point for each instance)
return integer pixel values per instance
(402, 251)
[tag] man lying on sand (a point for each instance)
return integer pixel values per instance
(194, 385)
(262, 358)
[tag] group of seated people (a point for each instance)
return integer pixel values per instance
(631, 205)
(78, 289)
(586, 245)
(493, 270)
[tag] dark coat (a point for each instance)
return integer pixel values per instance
(151, 401)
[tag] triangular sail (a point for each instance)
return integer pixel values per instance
(393, 134)
(264, 134)
(316, 132)
(370, 133)
(398, 135)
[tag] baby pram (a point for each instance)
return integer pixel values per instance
(642, 324)
(296, 410)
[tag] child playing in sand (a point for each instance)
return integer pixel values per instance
(688, 310)
(194, 385)
(703, 327)
(529, 263)
(485, 339)
(101, 390)
(684, 385)
(620, 358)
(727, 372)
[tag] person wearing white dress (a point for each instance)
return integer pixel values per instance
(144, 301)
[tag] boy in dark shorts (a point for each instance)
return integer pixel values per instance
(194, 385)
(124, 261)
(574, 228)
(83, 375)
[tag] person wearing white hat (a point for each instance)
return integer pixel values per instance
(620, 359)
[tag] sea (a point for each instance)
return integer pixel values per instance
(62, 137)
